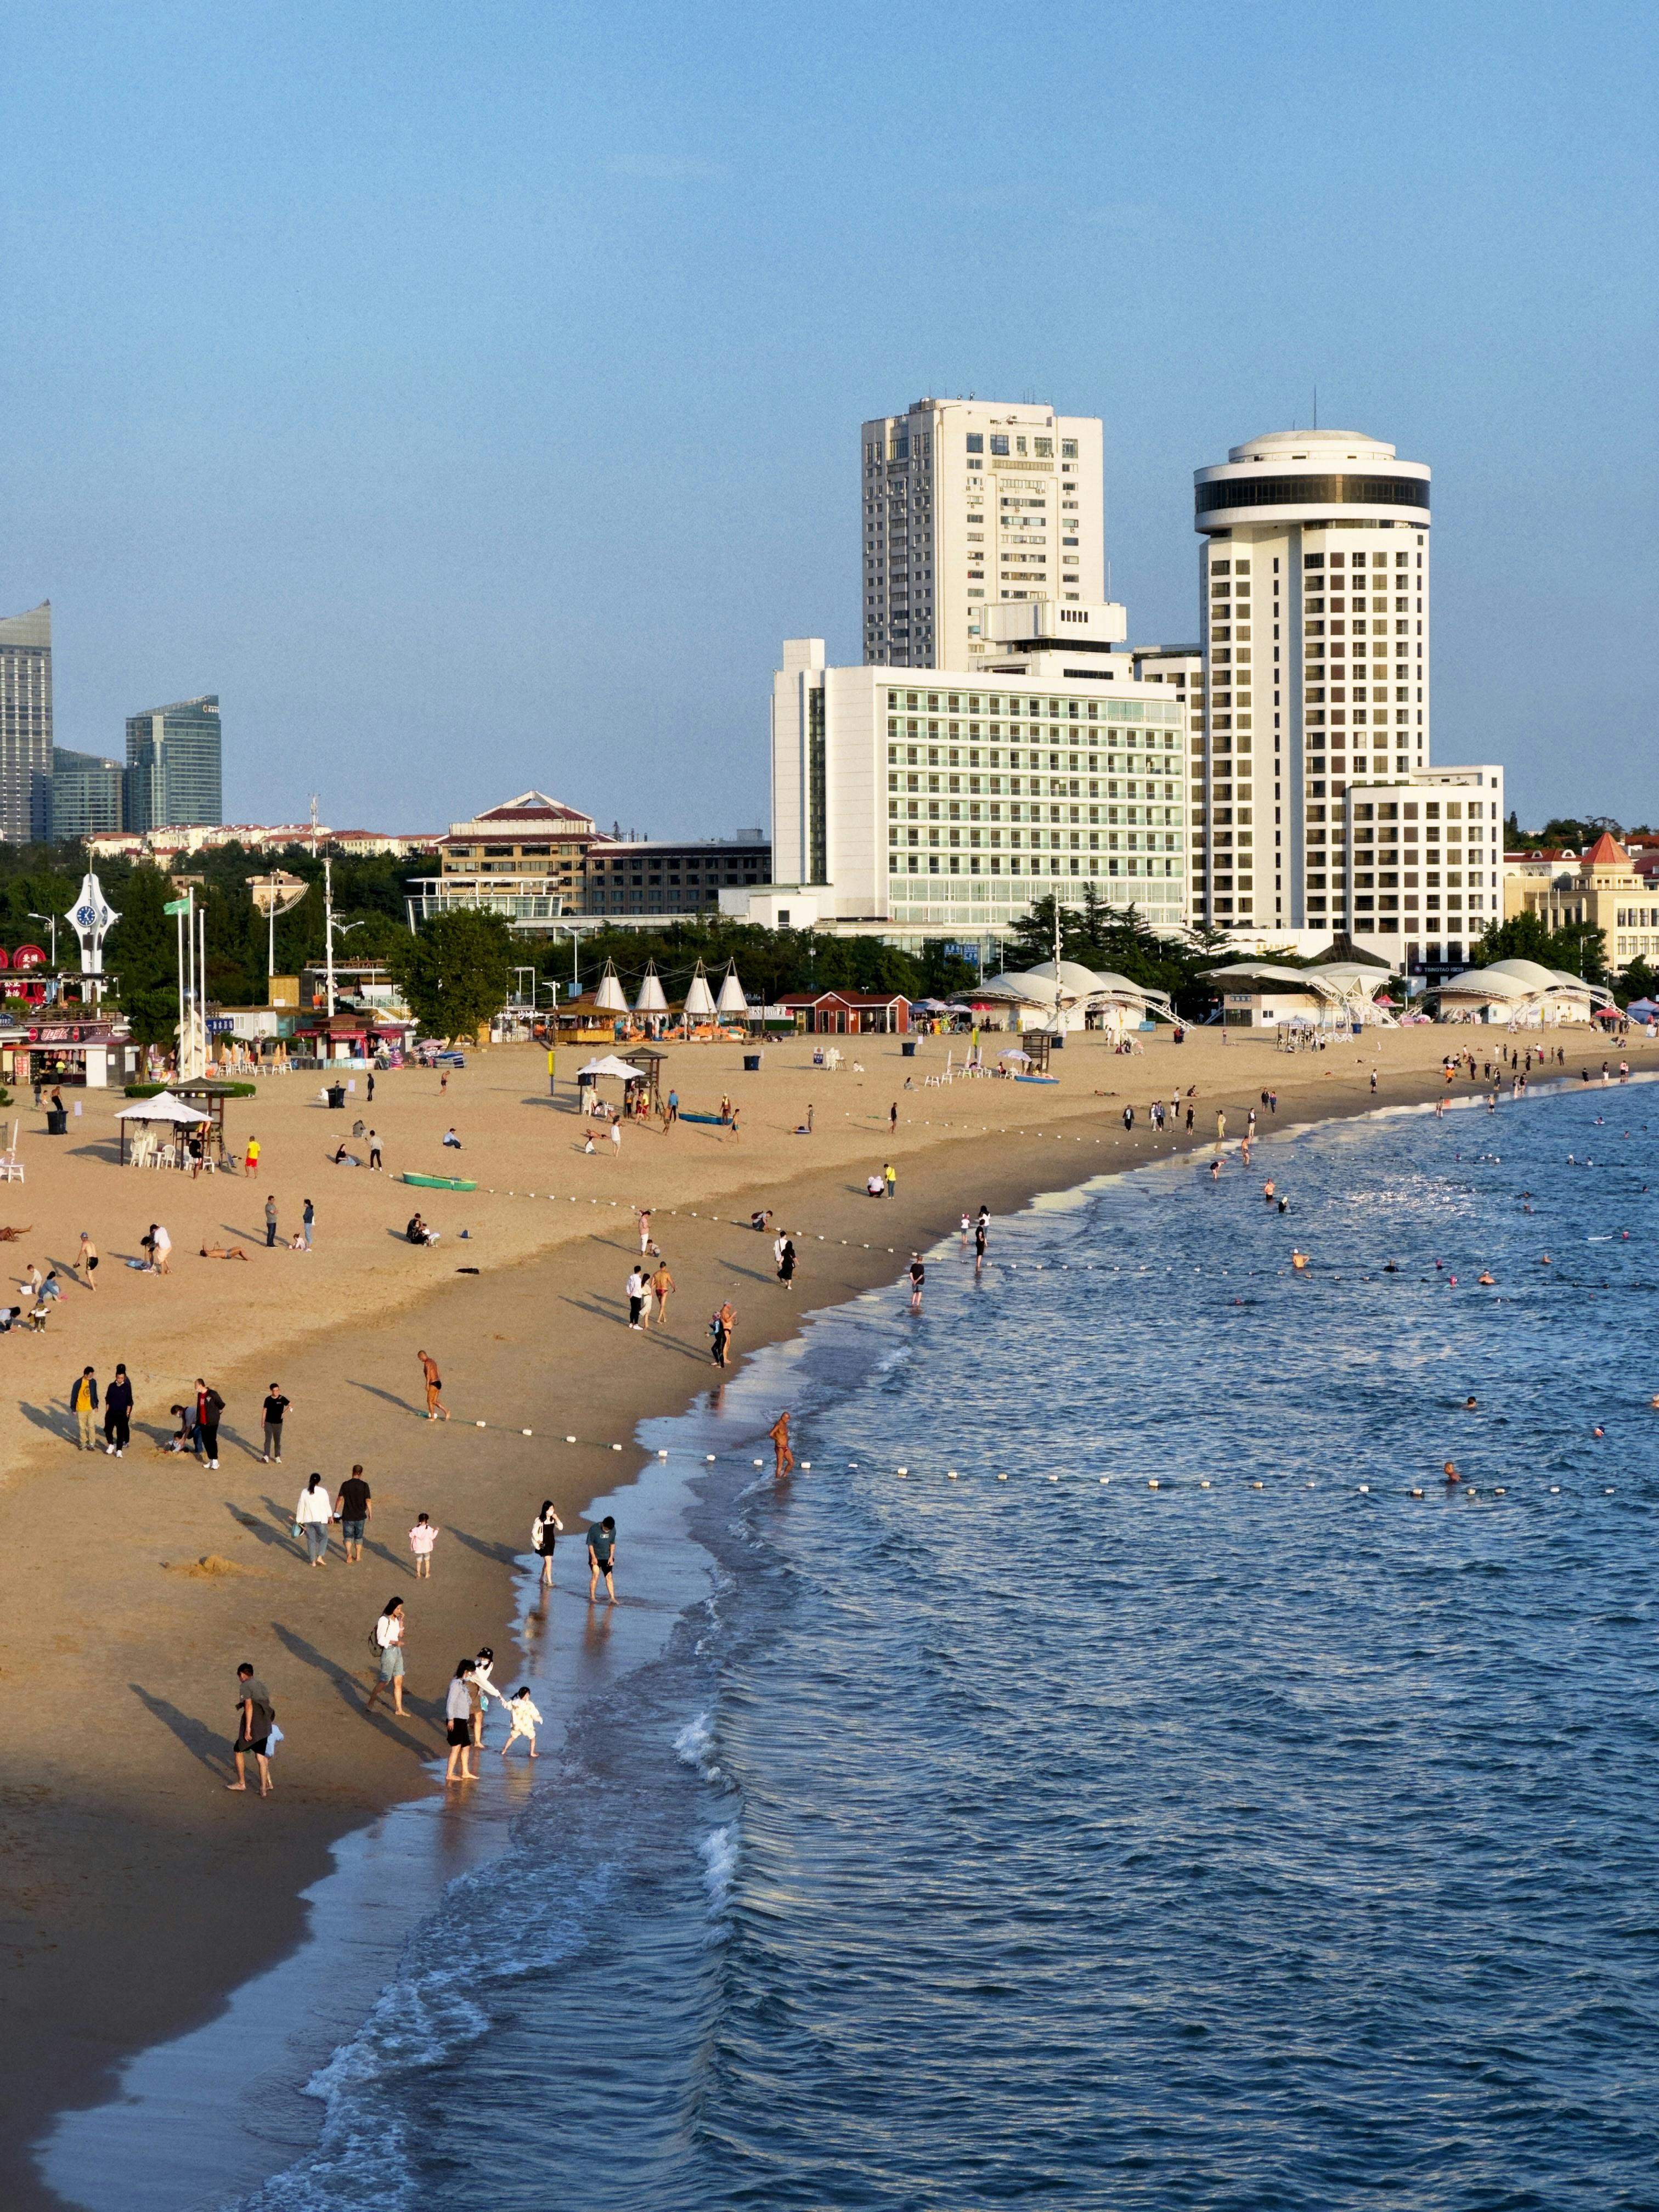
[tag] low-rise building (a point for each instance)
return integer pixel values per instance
(1601, 891)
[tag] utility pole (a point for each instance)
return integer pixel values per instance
(328, 921)
(270, 937)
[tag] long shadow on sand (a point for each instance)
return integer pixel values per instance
(351, 1692)
(207, 1745)
(387, 1397)
(502, 1555)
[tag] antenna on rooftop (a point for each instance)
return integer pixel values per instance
(314, 825)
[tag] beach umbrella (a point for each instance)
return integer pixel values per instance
(699, 999)
(651, 999)
(731, 999)
(608, 998)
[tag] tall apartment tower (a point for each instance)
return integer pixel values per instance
(970, 500)
(26, 726)
(174, 774)
(1314, 607)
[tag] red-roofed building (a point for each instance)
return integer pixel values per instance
(1601, 889)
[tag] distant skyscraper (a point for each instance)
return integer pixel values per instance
(86, 795)
(26, 726)
(966, 501)
(1314, 612)
(173, 770)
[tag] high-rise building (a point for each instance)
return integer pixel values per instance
(86, 795)
(26, 726)
(969, 501)
(1315, 612)
(173, 767)
(944, 805)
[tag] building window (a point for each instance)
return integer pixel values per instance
(975, 442)
(998, 444)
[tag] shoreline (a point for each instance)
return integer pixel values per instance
(55, 2054)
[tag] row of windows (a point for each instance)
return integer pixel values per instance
(1041, 449)
(1117, 764)
(1311, 491)
(1132, 841)
(990, 811)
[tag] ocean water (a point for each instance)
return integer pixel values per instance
(1064, 1840)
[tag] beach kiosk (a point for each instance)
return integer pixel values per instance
(156, 1132)
(610, 1067)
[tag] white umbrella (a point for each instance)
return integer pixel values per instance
(164, 1107)
(651, 999)
(699, 999)
(731, 999)
(609, 999)
(610, 1065)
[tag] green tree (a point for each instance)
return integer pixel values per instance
(142, 953)
(456, 970)
(1639, 981)
(1578, 949)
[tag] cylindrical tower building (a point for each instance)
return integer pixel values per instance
(1314, 602)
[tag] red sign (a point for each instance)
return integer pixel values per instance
(29, 956)
(5, 958)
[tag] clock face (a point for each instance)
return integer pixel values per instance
(85, 916)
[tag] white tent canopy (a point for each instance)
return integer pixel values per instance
(651, 999)
(699, 999)
(609, 999)
(731, 999)
(164, 1107)
(622, 1069)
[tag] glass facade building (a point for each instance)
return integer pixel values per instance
(26, 726)
(87, 795)
(173, 776)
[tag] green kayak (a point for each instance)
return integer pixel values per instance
(440, 1182)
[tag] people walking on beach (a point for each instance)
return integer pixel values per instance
(311, 1517)
(354, 1508)
(892, 1119)
(980, 1229)
(615, 1137)
(371, 1092)
(276, 1406)
(1129, 1120)
(1189, 1120)
(673, 1114)
(422, 1537)
(545, 1533)
(255, 1717)
(721, 1329)
(89, 1261)
(602, 1558)
(787, 1264)
(633, 1292)
(386, 1639)
(160, 1248)
(783, 1458)
(251, 1157)
(484, 1682)
(210, 1410)
(307, 1222)
(83, 1404)
(118, 1412)
(521, 1711)
(889, 1176)
(271, 1219)
(662, 1289)
(434, 1383)
(458, 1724)
(642, 1215)
(918, 1277)
(374, 1152)
(1221, 1124)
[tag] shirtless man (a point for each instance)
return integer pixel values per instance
(779, 1433)
(434, 1404)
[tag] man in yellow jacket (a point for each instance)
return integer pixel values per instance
(83, 1404)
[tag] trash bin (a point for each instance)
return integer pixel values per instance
(1056, 1040)
(336, 1094)
(908, 1047)
(58, 1122)
(751, 1061)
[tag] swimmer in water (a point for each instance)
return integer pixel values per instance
(1488, 1279)
(1452, 1475)
(1215, 1170)
(1298, 1261)
(1469, 1405)
(1267, 1190)
(1284, 1204)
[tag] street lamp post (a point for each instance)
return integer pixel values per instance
(51, 919)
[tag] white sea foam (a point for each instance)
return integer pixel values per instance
(694, 1743)
(718, 1850)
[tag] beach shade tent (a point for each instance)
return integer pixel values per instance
(609, 998)
(651, 999)
(1020, 1059)
(1066, 996)
(612, 1069)
(731, 1003)
(155, 1129)
(699, 999)
(1644, 1010)
(1263, 993)
(1521, 994)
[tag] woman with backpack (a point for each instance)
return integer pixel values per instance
(385, 1641)
(545, 1533)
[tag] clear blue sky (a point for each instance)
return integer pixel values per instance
(470, 393)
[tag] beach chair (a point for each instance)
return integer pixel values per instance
(11, 1168)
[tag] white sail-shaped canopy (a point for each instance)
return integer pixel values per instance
(731, 999)
(699, 999)
(651, 999)
(609, 998)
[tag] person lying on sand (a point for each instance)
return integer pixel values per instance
(223, 1252)
(11, 1236)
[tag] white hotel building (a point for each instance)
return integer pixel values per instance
(1315, 613)
(942, 803)
(968, 502)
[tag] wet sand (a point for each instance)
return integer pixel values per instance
(135, 1890)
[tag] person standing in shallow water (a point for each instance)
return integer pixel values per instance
(545, 1533)
(784, 1459)
(602, 1558)
(458, 1724)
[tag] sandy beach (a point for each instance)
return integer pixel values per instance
(137, 1889)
